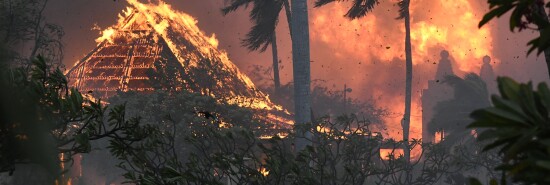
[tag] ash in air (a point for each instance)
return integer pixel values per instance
(274, 92)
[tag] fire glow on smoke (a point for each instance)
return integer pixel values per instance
(373, 48)
(190, 46)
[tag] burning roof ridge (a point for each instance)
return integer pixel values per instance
(195, 33)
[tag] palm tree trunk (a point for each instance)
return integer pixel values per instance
(301, 71)
(408, 87)
(288, 16)
(276, 79)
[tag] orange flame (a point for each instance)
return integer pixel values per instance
(376, 41)
(174, 26)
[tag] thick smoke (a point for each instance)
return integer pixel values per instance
(366, 54)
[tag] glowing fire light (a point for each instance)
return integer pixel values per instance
(190, 46)
(379, 38)
(264, 171)
(385, 154)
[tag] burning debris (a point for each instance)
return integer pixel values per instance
(155, 47)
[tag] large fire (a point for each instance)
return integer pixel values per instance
(192, 48)
(372, 49)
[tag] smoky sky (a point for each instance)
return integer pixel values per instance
(369, 60)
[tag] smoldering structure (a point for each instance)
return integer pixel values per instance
(154, 47)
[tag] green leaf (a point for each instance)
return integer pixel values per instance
(509, 89)
(544, 93)
(484, 119)
(543, 164)
(509, 106)
(474, 181)
(497, 12)
(493, 182)
(509, 116)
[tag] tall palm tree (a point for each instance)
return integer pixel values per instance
(301, 70)
(359, 9)
(265, 16)
(452, 116)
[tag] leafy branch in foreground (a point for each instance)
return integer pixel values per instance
(518, 126)
(525, 13)
(43, 118)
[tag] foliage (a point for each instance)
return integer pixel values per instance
(451, 116)
(183, 147)
(358, 9)
(22, 24)
(524, 14)
(342, 153)
(42, 118)
(325, 100)
(186, 108)
(264, 15)
(518, 127)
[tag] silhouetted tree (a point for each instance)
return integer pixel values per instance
(359, 9)
(525, 13)
(22, 22)
(451, 116)
(265, 16)
(43, 118)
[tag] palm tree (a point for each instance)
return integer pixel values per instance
(452, 116)
(265, 16)
(359, 9)
(301, 70)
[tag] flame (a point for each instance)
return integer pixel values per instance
(107, 35)
(65, 179)
(264, 171)
(439, 136)
(376, 42)
(175, 27)
(385, 154)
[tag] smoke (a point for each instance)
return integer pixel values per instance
(366, 54)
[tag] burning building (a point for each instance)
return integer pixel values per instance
(436, 92)
(155, 47)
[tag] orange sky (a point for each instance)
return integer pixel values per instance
(366, 54)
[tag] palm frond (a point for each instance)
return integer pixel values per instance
(452, 80)
(265, 16)
(403, 8)
(358, 9)
(234, 5)
(320, 3)
(470, 93)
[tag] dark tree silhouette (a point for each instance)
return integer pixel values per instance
(525, 14)
(22, 23)
(265, 17)
(359, 9)
(451, 116)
